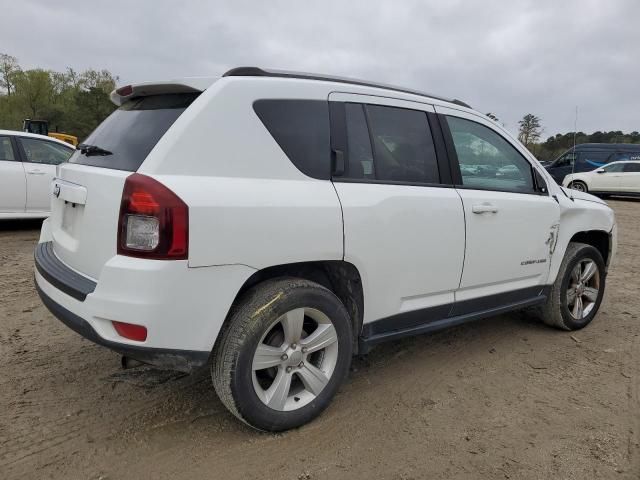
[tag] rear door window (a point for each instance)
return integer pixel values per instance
(403, 145)
(632, 167)
(389, 144)
(301, 128)
(131, 132)
(359, 153)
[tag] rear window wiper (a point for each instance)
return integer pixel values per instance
(89, 150)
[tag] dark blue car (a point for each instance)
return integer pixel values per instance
(589, 156)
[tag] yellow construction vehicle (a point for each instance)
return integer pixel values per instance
(41, 127)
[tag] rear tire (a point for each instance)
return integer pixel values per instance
(285, 352)
(579, 185)
(577, 293)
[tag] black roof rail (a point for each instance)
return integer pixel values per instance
(260, 72)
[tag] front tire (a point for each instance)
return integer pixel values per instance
(284, 354)
(579, 186)
(577, 293)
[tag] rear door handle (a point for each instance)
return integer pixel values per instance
(36, 172)
(484, 208)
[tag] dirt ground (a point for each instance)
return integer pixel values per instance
(501, 398)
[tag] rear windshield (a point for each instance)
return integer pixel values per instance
(131, 132)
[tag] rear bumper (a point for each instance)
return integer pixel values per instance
(182, 360)
(61, 276)
(182, 308)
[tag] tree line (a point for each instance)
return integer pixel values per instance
(72, 102)
(530, 130)
(77, 102)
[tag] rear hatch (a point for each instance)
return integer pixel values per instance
(87, 192)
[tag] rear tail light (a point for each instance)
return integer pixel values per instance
(131, 331)
(153, 222)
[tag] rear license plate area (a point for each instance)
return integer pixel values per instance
(69, 213)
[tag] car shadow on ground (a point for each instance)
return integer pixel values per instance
(20, 225)
(623, 199)
(194, 393)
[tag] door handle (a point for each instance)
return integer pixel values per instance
(36, 172)
(484, 208)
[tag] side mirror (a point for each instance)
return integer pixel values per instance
(601, 170)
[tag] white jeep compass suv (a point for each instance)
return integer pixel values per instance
(273, 224)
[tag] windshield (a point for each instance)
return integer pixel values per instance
(131, 132)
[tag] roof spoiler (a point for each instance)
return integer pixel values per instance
(186, 85)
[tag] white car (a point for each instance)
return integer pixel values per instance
(509, 171)
(270, 225)
(27, 167)
(618, 178)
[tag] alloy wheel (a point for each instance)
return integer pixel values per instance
(295, 359)
(578, 186)
(583, 289)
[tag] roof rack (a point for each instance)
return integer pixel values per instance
(259, 72)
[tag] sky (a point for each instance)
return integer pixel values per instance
(510, 58)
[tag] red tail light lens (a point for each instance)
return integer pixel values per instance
(131, 331)
(125, 91)
(153, 222)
